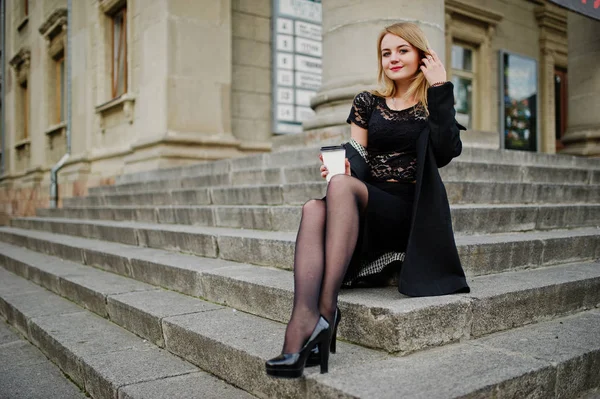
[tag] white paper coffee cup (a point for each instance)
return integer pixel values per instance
(334, 159)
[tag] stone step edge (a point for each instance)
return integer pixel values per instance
(302, 167)
(221, 355)
(299, 193)
(557, 359)
(26, 369)
(468, 154)
(548, 248)
(97, 371)
(267, 294)
(299, 206)
(467, 219)
(319, 183)
(276, 249)
(281, 236)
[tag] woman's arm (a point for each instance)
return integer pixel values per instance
(359, 134)
(356, 160)
(356, 155)
(444, 136)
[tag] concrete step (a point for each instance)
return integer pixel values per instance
(590, 394)
(308, 155)
(107, 360)
(545, 360)
(258, 161)
(378, 318)
(25, 373)
(466, 219)
(480, 254)
(460, 192)
(455, 171)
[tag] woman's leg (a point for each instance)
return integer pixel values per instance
(347, 199)
(308, 274)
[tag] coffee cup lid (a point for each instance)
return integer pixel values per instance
(333, 148)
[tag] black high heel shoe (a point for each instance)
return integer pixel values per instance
(314, 359)
(291, 365)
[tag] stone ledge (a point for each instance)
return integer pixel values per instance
(111, 6)
(23, 145)
(23, 23)
(57, 19)
(124, 102)
(59, 128)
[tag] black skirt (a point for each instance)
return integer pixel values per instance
(383, 236)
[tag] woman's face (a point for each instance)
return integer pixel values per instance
(399, 59)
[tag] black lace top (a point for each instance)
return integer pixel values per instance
(392, 139)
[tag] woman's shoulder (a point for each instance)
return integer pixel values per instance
(366, 98)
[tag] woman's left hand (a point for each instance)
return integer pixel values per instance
(433, 68)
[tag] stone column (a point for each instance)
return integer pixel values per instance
(186, 85)
(583, 130)
(199, 70)
(350, 32)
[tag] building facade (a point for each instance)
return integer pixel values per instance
(162, 83)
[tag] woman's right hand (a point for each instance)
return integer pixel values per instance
(324, 171)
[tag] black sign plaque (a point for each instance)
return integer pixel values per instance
(590, 8)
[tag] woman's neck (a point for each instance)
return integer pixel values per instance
(401, 88)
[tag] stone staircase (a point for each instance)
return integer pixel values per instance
(196, 263)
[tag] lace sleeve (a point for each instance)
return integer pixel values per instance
(362, 106)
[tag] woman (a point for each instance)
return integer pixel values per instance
(390, 206)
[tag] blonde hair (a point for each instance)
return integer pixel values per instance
(415, 37)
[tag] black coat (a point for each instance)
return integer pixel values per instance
(431, 265)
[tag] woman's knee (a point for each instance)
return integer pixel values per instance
(339, 183)
(343, 185)
(314, 208)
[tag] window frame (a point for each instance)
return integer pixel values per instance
(24, 87)
(59, 88)
(562, 108)
(114, 73)
(473, 75)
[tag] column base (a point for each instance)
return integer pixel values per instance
(179, 149)
(331, 135)
(584, 142)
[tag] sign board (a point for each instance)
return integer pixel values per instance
(589, 8)
(518, 102)
(297, 62)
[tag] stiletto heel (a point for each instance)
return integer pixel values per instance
(315, 358)
(323, 350)
(338, 317)
(291, 365)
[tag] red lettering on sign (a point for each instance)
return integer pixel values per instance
(596, 3)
